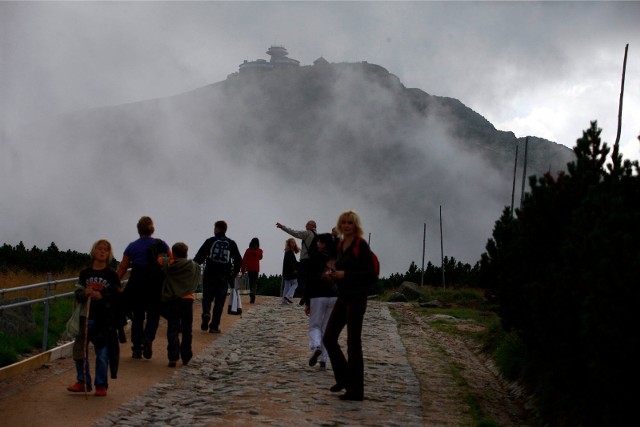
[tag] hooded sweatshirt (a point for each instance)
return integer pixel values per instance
(182, 278)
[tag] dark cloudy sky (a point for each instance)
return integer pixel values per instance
(535, 68)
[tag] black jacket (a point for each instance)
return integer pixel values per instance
(357, 263)
(231, 268)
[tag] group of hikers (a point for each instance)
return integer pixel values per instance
(335, 273)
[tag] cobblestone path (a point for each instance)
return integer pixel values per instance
(257, 373)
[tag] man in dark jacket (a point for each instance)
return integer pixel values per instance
(223, 262)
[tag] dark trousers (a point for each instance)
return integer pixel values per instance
(348, 310)
(303, 268)
(215, 291)
(253, 282)
(179, 314)
(141, 331)
(142, 296)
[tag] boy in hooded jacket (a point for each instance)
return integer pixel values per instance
(182, 278)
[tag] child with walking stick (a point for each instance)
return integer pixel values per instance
(97, 291)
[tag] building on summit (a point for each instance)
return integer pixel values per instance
(279, 60)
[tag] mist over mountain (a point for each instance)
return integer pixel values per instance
(258, 148)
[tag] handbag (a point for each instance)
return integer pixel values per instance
(235, 306)
(72, 328)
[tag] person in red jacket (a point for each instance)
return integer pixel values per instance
(251, 265)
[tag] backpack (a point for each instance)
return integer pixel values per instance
(374, 257)
(312, 250)
(376, 264)
(155, 251)
(220, 251)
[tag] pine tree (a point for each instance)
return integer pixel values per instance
(564, 272)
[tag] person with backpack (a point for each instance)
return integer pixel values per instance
(144, 288)
(222, 261)
(307, 236)
(354, 275)
(251, 265)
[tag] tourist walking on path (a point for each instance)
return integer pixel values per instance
(222, 264)
(143, 290)
(320, 296)
(100, 317)
(306, 236)
(290, 270)
(251, 265)
(182, 278)
(354, 275)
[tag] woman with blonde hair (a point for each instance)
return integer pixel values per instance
(290, 270)
(354, 275)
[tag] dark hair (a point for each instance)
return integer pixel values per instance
(329, 243)
(255, 243)
(145, 226)
(221, 225)
(325, 238)
(180, 250)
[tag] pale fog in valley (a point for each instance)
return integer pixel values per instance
(114, 111)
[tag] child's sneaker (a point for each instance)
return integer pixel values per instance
(78, 387)
(101, 390)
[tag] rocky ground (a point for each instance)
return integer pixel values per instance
(256, 373)
(453, 372)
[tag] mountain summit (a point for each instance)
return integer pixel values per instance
(280, 143)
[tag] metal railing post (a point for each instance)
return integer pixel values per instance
(45, 326)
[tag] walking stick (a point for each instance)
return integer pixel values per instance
(85, 362)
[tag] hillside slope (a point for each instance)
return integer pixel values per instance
(284, 146)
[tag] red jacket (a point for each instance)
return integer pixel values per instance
(251, 260)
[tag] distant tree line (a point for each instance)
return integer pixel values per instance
(456, 275)
(35, 260)
(565, 274)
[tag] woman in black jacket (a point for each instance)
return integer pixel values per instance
(354, 274)
(289, 270)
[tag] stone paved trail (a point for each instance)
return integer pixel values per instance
(257, 373)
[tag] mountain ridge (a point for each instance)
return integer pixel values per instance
(280, 146)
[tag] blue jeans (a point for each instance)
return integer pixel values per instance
(290, 288)
(101, 349)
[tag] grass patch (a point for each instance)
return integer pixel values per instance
(15, 348)
(471, 400)
(475, 320)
